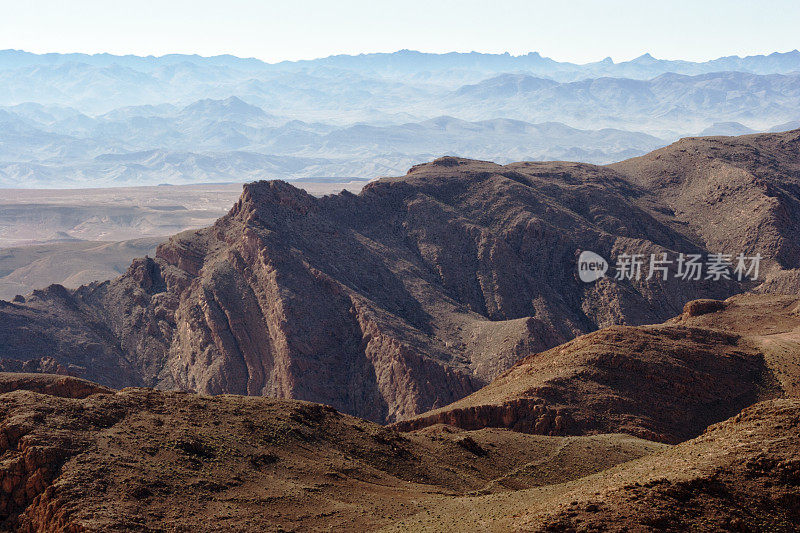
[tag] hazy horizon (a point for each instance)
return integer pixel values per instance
(579, 32)
(193, 92)
(644, 53)
(102, 120)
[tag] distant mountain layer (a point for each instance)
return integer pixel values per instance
(670, 101)
(410, 62)
(663, 100)
(230, 140)
(79, 120)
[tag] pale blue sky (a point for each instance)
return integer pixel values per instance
(577, 31)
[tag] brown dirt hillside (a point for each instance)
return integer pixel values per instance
(148, 460)
(741, 475)
(665, 382)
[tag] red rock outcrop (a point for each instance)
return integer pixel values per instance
(53, 385)
(527, 415)
(702, 306)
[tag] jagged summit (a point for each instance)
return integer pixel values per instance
(414, 293)
(275, 193)
(645, 58)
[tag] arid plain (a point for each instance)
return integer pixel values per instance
(75, 236)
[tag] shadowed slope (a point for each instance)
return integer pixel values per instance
(666, 382)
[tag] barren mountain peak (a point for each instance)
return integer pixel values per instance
(406, 297)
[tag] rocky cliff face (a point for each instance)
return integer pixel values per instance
(737, 194)
(404, 298)
(665, 383)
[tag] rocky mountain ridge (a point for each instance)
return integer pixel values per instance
(701, 367)
(409, 296)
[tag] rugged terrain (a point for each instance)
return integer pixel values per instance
(419, 290)
(664, 382)
(408, 296)
(82, 459)
(78, 457)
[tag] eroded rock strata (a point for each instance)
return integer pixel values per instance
(414, 293)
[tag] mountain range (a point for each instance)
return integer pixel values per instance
(230, 140)
(70, 120)
(257, 358)
(423, 288)
(406, 63)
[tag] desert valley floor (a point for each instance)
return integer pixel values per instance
(76, 236)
